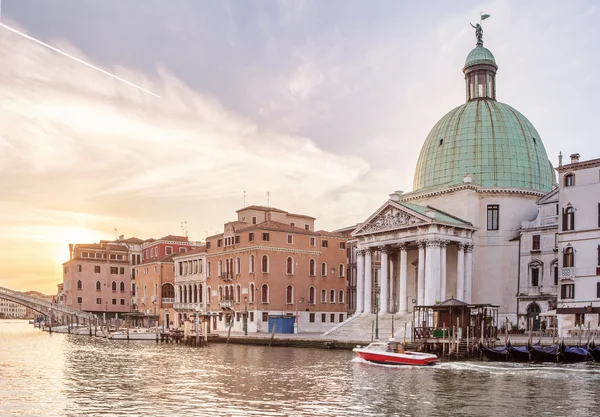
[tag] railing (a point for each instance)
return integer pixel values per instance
(227, 276)
(168, 300)
(567, 273)
(188, 306)
(19, 296)
(226, 303)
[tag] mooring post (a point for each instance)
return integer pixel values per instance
(229, 331)
(273, 332)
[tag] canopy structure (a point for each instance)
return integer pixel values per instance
(549, 313)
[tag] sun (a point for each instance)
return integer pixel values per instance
(67, 235)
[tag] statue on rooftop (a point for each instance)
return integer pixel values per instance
(478, 33)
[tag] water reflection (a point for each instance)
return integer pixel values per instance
(67, 375)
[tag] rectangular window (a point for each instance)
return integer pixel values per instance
(237, 316)
(265, 237)
(313, 241)
(122, 270)
(207, 245)
(251, 237)
(579, 319)
(265, 316)
(98, 300)
(555, 274)
(122, 301)
(493, 214)
(251, 316)
(168, 250)
(324, 244)
(332, 317)
(79, 300)
(536, 242)
(341, 317)
(311, 317)
(97, 269)
(567, 291)
(598, 214)
(66, 271)
(219, 243)
(253, 219)
(85, 254)
(307, 227)
(598, 290)
(79, 268)
(535, 277)
(114, 270)
(323, 318)
(237, 239)
(290, 239)
(293, 224)
(342, 245)
(114, 301)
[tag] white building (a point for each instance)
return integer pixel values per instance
(11, 310)
(579, 244)
(190, 284)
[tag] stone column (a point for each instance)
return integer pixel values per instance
(368, 281)
(468, 273)
(403, 302)
(198, 293)
(430, 281)
(421, 274)
(443, 245)
(360, 281)
(460, 272)
(383, 287)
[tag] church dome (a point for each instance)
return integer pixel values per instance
(491, 141)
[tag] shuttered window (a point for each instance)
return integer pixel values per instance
(493, 214)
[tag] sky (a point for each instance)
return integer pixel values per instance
(323, 104)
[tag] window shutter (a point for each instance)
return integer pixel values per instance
(598, 290)
(564, 219)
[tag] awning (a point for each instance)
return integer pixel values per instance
(578, 310)
(549, 313)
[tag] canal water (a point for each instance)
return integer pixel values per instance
(65, 375)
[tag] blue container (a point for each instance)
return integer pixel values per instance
(285, 324)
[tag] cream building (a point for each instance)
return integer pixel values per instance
(190, 284)
(481, 171)
(579, 245)
(11, 310)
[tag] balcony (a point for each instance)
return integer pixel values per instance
(567, 273)
(188, 306)
(167, 300)
(227, 276)
(226, 304)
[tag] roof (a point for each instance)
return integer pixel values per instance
(304, 216)
(201, 249)
(261, 208)
(489, 140)
(440, 215)
(164, 259)
(175, 238)
(480, 55)
(278, 227)
(325, 233)
(102, 246)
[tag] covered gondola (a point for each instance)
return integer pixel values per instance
(545, 353)
(498, 354)
(594, 351)
(574, 354)
(518, 353)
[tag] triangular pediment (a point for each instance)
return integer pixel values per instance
(391, 216)
(551, 197)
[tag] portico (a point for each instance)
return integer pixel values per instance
(437, 245)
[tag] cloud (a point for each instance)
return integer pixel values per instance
(82, 154)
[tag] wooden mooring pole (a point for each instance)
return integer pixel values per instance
(273, 332)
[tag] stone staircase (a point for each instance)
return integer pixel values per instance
(361, 327)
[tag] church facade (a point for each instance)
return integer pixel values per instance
(480, 174)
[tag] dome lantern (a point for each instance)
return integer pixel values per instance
(480, 70)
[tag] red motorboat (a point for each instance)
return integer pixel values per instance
(393, 353)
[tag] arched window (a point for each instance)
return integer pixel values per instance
(208, 269)
(220, 268)
(555, 271)
(289, 295)
(323, 296)
(200, 263)
(238, 265)
(79, 284)
(312, 295)
(168, 291)
(569, 180)
(195, 292)
(122, 286)
(332, 296)
(323, 269)
(251, 293)
(114, 285)
(312, 270)
(98, 286)
(220, 293)
(265, 294)
(289, 266)
(341, 270)
(535, 273)
(569, 218)
(341, 297)
(568, 257)
(251, 264)
(265, 263)
(208, 295)
(201, 293)
(185, 294)
(238, 292)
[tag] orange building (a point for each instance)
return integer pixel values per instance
(154, 289)
(272, 266)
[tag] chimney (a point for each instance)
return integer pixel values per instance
(574, 158)
(70, 251)
(560, 159)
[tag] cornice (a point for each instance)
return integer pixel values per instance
(264, 248)
(474, 187)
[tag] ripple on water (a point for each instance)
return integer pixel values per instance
(63, 375)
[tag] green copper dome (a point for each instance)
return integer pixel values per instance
(489, 140)
(492, 142)
(480, 55)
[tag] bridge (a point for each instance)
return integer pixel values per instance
(44, 307)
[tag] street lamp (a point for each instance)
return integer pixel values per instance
(246, 316)
(376, 319)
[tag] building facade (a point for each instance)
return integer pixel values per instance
(154, 289)
(272, 264)
(579, 245)
(190, 284)
(12, 310)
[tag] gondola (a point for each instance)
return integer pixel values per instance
(573, 354)
(545, 353)
(518, 353)
(594, 351)
(498, 354)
